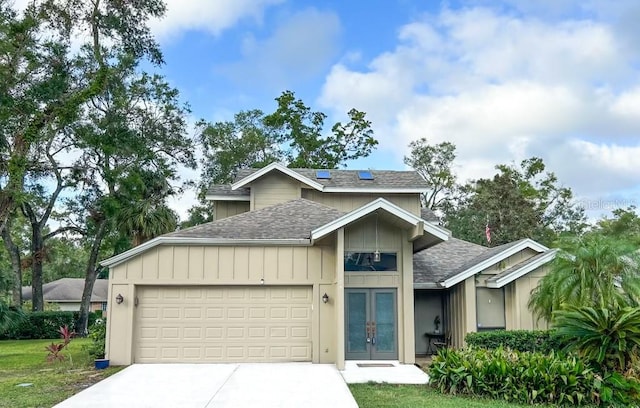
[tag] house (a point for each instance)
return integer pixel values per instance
(67, 294)
(302, 265)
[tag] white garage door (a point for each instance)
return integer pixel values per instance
(222, 324)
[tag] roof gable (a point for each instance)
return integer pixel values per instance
(489, 258)
(276, 167)
(516, 271)
(379, 204)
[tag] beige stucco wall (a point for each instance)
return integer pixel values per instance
(209, 265)
(224, 209)
(273, 188)
(350, 201)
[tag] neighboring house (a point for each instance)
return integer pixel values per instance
(299, 265)
(67, 294)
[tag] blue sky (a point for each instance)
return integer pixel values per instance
(503, 80)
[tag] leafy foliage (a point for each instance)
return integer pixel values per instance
(54, 349)
(97, 334)
(590, 271)
(528, 378)
(10, 316)
(293, 134)
(608, 337)
(518, 202)
(433, 163)
(543, 341)
(42, 325)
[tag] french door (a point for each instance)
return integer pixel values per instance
(371, 324)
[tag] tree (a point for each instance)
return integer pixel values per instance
(518, 202)
(625, 225)
(293, 134)
(590, 271)
(433, 163)
(132, 137)
(43, 84)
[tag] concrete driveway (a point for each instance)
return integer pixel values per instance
(219, 385)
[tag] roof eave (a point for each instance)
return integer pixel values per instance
(123, 257)
(283, 169)
(526, 243)
(222, 197)
(507, 279)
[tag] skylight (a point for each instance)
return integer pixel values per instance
(365, 175)
(323, 174)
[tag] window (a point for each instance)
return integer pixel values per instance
(490, 309)
(365, 261)
(365, 175)
(323, 174)
(104, 306)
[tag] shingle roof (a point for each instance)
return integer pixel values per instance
(445, 259)
(428, 215)
(449, 258)
(291, 220)
(349, 178)
(69, 290)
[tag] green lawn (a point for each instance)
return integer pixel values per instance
(24, 361)
(416, 396)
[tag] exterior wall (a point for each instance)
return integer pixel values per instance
(460, 311)
(273, 188)
(210, 265)
(350, 201)
(428, 305)
(75, 306)
(517, 293)
(224, 209)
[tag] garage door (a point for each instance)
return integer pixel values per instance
(222, 324)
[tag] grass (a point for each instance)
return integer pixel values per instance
(24, 361)
(414, 396)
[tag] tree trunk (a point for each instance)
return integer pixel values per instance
(37, 255)
(91, 273)
(16, 266)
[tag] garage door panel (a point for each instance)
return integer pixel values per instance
(223, 324)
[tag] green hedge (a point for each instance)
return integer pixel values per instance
(528, 378)
(43, 325)
(544, 341)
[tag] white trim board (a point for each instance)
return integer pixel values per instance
(164, 240)
(378, 204)
(220, 197)
(283, 169)
(544, 258)
(514, 249)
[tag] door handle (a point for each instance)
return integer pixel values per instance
(373, 333)
(368, 326)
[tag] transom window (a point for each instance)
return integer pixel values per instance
(366, 261)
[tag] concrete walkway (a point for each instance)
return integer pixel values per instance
(218, 385)
(390, 372)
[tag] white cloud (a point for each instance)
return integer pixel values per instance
(301, 47)
(206, 15)
(503, 88)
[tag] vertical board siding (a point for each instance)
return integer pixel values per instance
(224, 209)
(229, 265)
(274, 188)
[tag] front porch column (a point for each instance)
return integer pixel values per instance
(340, 339)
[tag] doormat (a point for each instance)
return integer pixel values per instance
(368, 365)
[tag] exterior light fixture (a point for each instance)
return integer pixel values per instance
(325, 298)
(376, 254)
(262, 281)
(119, 298)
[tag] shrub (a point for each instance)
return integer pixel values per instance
(528, 377)
(544, 341)
(608, 337)
(42, 325)
(97, 334)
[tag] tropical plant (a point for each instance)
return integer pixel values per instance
(97, 334)
(9, 316)
(54, 349)
(591, 271)
(529, 378)
(607, 337)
